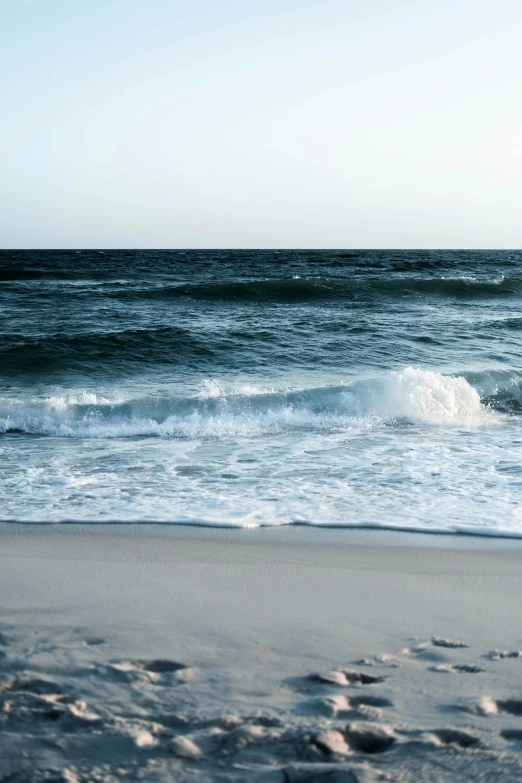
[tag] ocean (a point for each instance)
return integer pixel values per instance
(246, 388)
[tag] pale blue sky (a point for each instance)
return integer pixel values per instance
(164, 123)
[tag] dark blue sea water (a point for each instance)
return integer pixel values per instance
(262, 387)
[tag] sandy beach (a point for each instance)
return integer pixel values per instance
(162, 653)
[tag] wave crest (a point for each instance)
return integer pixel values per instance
(411, 396)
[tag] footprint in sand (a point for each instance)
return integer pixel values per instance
(35, 685)
(488, 706)
(156, 670)
(31, 699)
(427, 651)
(498, 655)
(438, 641)
(463, 668)
(367, 738)
(345, 677)
(338, 706)
(160, 666)
(157, 666)
(464, 739)
(386, 660)
(25, 706)
(41, 699)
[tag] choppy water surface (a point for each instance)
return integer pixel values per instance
(262, 387)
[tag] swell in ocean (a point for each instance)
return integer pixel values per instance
(295, 288)
(301, 289)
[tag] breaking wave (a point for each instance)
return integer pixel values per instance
(411, 396)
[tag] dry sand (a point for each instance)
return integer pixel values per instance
(168, 654)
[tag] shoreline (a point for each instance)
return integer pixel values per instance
(461, 539)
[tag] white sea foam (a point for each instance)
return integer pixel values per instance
(424, 396)
(211, 388)
(464, 278)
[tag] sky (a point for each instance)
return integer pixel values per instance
(296, 124)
